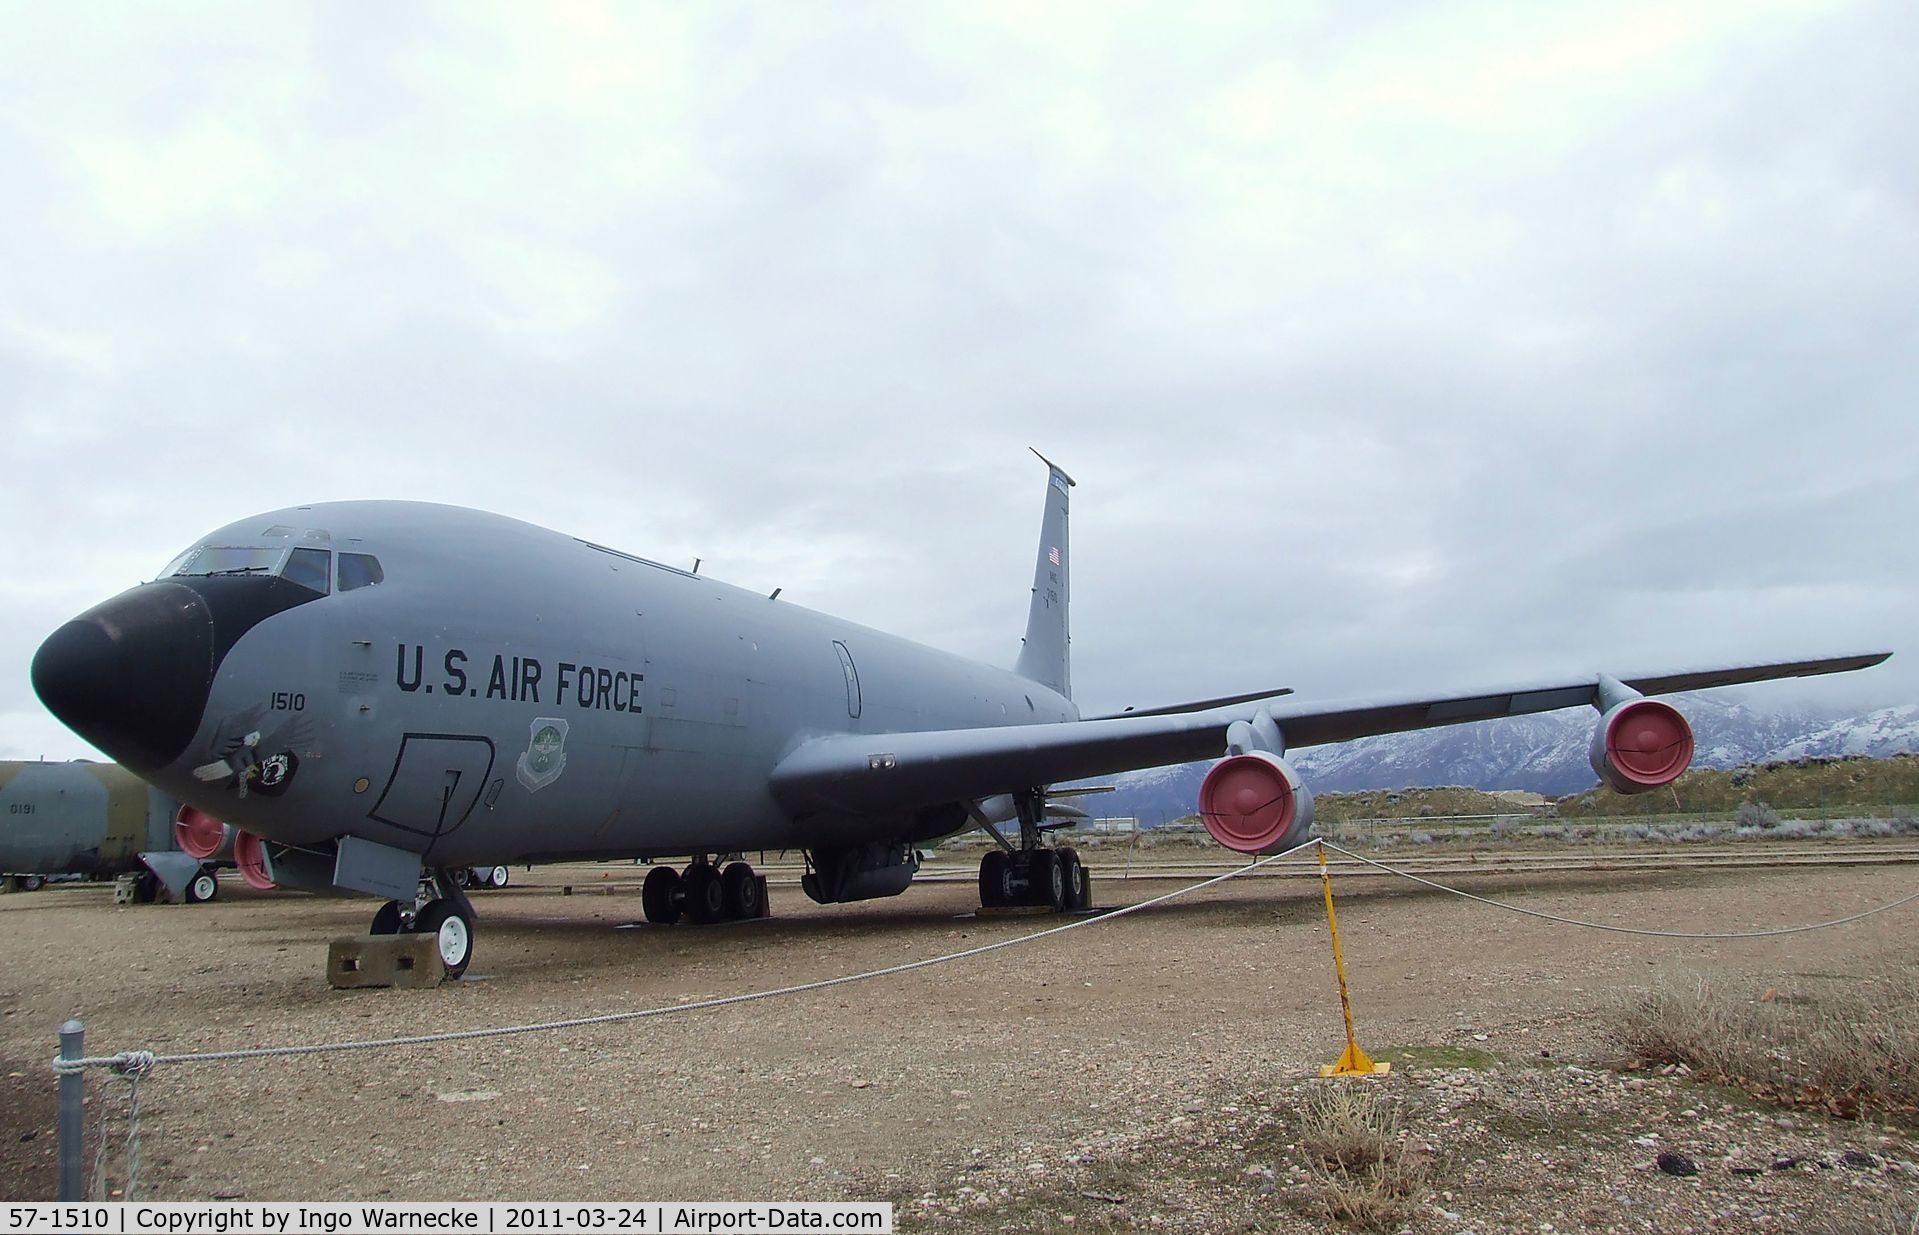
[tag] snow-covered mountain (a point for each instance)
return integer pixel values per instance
(1546, 754)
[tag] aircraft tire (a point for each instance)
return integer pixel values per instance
(705, 898)
(453, 932)
(499, 877)
(32, 883)
(660, 896)
(1047, 882)
(740, 890)
(992, 879)
(1071, 872)
(203, 887)
(386, 920)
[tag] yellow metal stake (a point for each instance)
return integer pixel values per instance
(1354, 1062)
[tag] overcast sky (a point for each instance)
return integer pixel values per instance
(1423, 345)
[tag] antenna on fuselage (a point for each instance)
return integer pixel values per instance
(696, 564)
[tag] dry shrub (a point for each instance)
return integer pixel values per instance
(1850, 1046)
(1357, 1156)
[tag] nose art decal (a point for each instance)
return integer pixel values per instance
(248, 760)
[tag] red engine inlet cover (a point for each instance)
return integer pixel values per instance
(198, 834)
(250, 855)
(1649, 742)
(1251, 803)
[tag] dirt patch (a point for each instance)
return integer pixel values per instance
(1154, 1058)
(29, 1159)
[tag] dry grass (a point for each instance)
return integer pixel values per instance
(1849, 1046)
(1357, 1155)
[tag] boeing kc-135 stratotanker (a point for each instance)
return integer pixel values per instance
(379, 694)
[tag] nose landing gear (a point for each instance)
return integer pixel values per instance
(440, 909)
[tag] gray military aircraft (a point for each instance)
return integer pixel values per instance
(385, 692)
(100, 820)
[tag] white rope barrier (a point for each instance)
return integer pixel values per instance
(136, 1063)
(127, 1061)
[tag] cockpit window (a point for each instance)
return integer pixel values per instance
(309, 568)
(226, 560)
(359, 570)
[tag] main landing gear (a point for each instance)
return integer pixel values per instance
(1034, 873)
(440, 909)
(705, 893)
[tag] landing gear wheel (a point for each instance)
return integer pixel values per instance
(386, 921)
(1071, 874)
(32, 883)
(1047, 880)
(993, 891)
(660, 896)
(740, 892)
(499, 877)
(464, 877)
(705, 898)
(202, 887)
(453, 932)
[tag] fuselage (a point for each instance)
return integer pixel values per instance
(476, 689)
(79, 818)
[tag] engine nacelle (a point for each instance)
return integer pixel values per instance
(200, 835)
(250, 856)
(1255, 803)
(1641, 744)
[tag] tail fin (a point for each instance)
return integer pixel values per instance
(1045, 654)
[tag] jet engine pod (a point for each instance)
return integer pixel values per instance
(1255, 803)
(201, 836)
(1641, 744)
(250, 855)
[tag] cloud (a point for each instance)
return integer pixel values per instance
(1429, 346)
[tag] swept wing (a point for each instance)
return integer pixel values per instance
(864, 773)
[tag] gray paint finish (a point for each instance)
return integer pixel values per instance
(508, 693)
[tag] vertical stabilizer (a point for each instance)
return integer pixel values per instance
(1045, 653)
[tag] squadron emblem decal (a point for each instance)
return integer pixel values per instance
(545, 756)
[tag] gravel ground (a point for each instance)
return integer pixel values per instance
(1139, 1073)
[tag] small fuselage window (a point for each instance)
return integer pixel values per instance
(311, 568)
(359, 570)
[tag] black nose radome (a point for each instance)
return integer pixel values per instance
(132, 675)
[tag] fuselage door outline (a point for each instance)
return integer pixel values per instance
(852, 679)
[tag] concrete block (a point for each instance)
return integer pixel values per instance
(355, 962)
